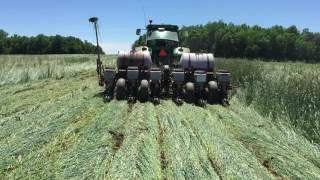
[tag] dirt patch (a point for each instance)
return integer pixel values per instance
(164, 162)
(23, 90)
(118, 139)
(267, 164)
(98, 95)
(163, 158)
(130, 105)
(216, 169)
(10, 168)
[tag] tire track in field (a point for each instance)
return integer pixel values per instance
(264, 140)
(118, 136)
(124, 158)
(312, 153)
(35, 135)
(21, 116)
(91, 146)
(265, 163)
(213, 164)
(57, 145)
(163, 159)
(184, 154)
(229, 157)
(187, 123)
(138, 156)
(45, 91)
(24, 110)
(148, 162)
(24, 147)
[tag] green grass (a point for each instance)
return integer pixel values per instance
(24, 68)
(287, 92)
(59, 128)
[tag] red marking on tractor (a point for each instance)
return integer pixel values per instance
(163, 53)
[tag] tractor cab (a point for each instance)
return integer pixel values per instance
(161, 41)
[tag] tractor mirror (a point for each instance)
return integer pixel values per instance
(138, 32)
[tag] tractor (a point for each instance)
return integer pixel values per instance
(162, 69)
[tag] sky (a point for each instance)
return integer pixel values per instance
(118, 19)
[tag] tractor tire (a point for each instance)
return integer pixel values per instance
(189, 92)
(143, 91)
(213, 92)
(120, 89)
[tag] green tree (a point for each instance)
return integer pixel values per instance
(42, 44)
(230, 40)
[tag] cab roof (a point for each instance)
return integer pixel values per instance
(167, 27)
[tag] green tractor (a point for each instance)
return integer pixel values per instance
(162, 69)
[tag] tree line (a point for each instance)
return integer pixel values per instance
(42, 44)
(244, 41)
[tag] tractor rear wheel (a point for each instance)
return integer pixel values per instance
(143, 91)
(120, 89)
(189, 92)
(213, 92)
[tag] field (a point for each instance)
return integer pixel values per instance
(54, 125)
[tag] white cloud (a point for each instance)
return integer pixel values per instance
(115, 47)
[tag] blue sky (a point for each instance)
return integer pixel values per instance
(120, 18)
